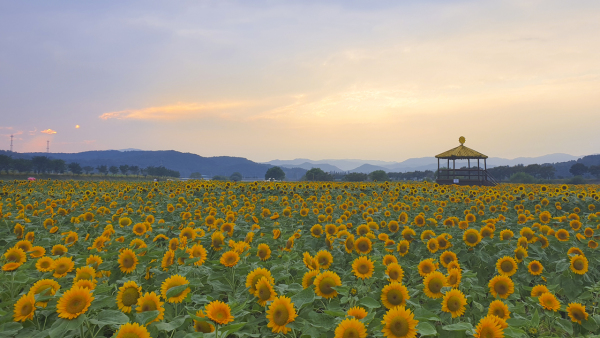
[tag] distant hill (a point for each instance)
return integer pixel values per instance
(368, 168)
(185, 163)
(307, 166)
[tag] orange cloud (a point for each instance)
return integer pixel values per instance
(48, 131)
(177, 111)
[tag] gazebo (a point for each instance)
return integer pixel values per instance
(464, 176)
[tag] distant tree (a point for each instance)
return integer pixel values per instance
(275, 173)
(379, 176)
(113, 169)
(196, 175)
(58, 166)
(144, 171)
(317, 174)
(220, 178)
(103, 169)
(578, 169)
(41, 164)
(75, 168)
(88, 169)
(355, 177)
(594, 170)
(124, 169)
(236, 176)
(22, 165)
(5, 162)
(521, 177)
(162, 171)
(547, 171)
(134, 169)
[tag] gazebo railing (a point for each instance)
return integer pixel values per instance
(470, 174)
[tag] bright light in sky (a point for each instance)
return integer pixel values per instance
(384, 80)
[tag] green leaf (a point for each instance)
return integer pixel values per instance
(426, 329)
(335, 313)
(108, 317)
(146, 316)
(590, 324)
(342, 289)
(458, 327)
(229, 329)
(10, 329)
(172, 325)
(562, 265)
(303, 297)
(565, 324)
(424, 314)
(513, 332)
(369, 302)
(176, 290)
(535, 319)
(517, 322)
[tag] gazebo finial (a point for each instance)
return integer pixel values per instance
(461, 140)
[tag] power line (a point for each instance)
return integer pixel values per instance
(11, 143)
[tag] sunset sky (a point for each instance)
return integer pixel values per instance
(381, 80)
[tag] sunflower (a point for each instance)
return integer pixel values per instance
(230, 259)
(389, 259)
(44, 287)
(433, 284)
(395, 272)
(535, 268)
(62, 266)
(171, 282)
(454, 277)
(134, 330)
(363, 267)
(454, 303)
(325, 282)
(506, 266)
(549, 302)
(127, 261)
(263, 252)
(408, 234)
(562, 235)
(545, 217)
(128, 296)
(124, 222)
(24, 308)
(579, 264)
(350, 327)
(576, 312)
(45, 264)
(254, 276)
(309, 278)
(219, 312)
(357, 312)
(198, 251)
(309, 261)
(538, 290)
(520, 253)
(74, 302)
(201, 325)
(15, 255)
(427, 266)
(362, 245)
(139, 229)
(349, 244)
(394, 294)
(316, 230)
(506, 234)
(433, 245)
(324, 259)
(403, 247)
(37, 252)
(501, 286)
(217, 240)
(399, 322)
(167, 260)
(499, 309)
(489, 327)
(150, 301)
(264, 291)
(471, 237)
(281, 312)
(447, 257)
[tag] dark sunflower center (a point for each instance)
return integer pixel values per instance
(452, 279)
(395, 297)
(26, 309)
(487, 332)
(403, 249)
(453, 303)
(577, 314)
(61, 268)
(501, 288)
(499, 312)
(262, 253)
(363, 246)
(264, 292)
(45, 290)
(45, 264)
(323, 261)
(427, 268)
(435, 285)
(399, 326)
(394, 274)
(506, 266)
(203, 327)
(578, 264)
(535, 268)
(363, 268)
(350, 333)
(130, 296)
(148, 306)
(317, 231)
(326, 286)
(472, 238)
(519, 255)
(280, 315)
(76, 304)
(127, 262)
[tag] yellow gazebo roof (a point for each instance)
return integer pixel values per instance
(461, 152)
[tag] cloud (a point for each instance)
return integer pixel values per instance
(32, 132)
(178, 111)
(48, 131)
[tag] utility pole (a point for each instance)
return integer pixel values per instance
(48, 146)
(11, 143)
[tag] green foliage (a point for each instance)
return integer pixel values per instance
(275, 173)
(522, 177)
(317, 174)
(236, 176)
(378, 176)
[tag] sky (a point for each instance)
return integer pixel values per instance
(380, 80)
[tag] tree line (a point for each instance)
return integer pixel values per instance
(44, 164)
(542, 171)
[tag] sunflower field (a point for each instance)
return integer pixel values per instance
(318, 259)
